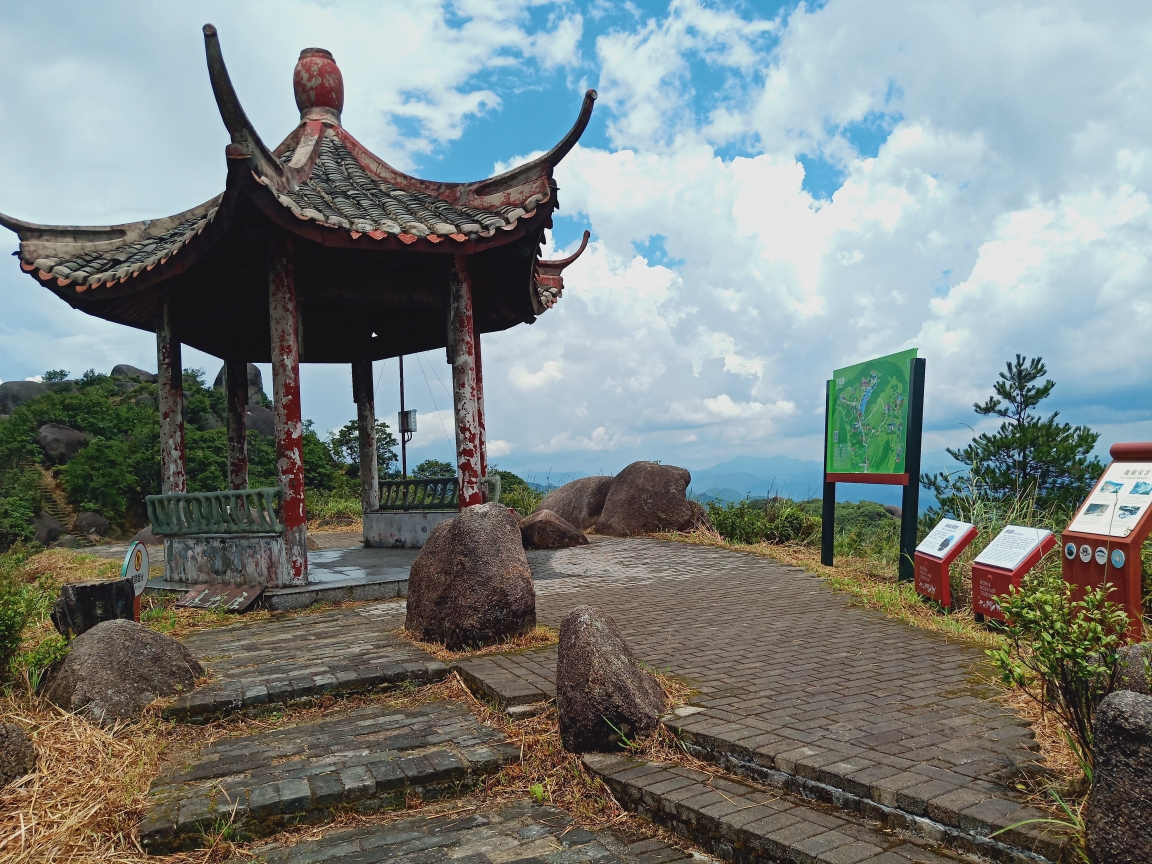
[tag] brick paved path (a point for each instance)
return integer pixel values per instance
(796, 680)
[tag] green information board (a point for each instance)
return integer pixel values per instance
(868, 416)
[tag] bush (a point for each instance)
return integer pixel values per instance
(516, 493)
(18, 605)
(777, 520)
(1062, 653)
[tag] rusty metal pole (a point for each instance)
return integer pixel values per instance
(236, 392)
(169, 378)
(282, 316)
(404, 436)
(481, 431)
(462, 355)
(366, 425)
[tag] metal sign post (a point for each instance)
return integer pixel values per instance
(136, 568)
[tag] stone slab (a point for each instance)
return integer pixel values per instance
(370, 758)
(519, 831)
(402, 530)
(260, 665)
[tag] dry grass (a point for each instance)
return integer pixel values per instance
(336, 525)
(539, 636)
(65, 566)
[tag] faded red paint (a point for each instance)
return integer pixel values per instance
(362, 395)
(170, 390)
(482, 432)
(282, 318)
(462, 352)
(236, 389)
(317, 81)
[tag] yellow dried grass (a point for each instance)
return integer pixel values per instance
(540, 636)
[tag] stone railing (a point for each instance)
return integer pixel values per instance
(241, 511)
(437, 493)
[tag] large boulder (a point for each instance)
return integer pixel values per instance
(145, 536)
(17, 754)
(647, 497)
(47, 528)
(13, 394)
(1119, 812)
(1133, 672)
(470, 585)
(60, 443)
(578, 503)
(255, 383)
(599, 685)
(545, 530)
(260, 419)
(82, 606)
(117, 668)
(124, 372)
(91, 523)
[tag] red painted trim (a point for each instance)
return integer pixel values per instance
(879, 479)
(170, 390)
(1131, 451)
(462, 353)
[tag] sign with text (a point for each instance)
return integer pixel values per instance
(1003, 563)
(136, 567)
(1118, 503)
(1012, 546)
(934, 557)
(943, 537)
(867, 430)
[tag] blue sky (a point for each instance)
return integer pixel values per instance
(774, 191)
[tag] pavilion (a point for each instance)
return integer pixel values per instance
(316, 251)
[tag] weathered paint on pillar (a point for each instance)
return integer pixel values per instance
(481, 430)
(366, 425)
(462, 353)
(170, 384)
(236, 391)
(283, 319)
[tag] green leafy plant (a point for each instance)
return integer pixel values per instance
(1060, 652)
(537, 790)
(777, 520)
(1072, 824)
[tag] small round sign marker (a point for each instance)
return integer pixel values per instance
(1085, 553)
(1117, 558)
(136, 567)
(1101, 555)
(1069, 551)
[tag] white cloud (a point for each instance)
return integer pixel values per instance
(497, 448)
(546, 374)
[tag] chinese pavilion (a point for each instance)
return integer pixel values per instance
(316, 251)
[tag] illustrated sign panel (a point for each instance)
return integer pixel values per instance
(941, 539)
(1120, 500)
(136, 567)
(1012, 546)
(868, 416)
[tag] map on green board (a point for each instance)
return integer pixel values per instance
(868, 426)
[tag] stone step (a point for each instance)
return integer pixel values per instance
(371, 759)
(739, 822)
(520, 831)
(264, 665)
(938, 804)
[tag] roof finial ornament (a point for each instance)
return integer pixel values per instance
(318, 85)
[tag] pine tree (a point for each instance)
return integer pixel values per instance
(1028, 455)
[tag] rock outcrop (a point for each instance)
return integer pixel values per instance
(47, 528)
(545, 530)
(91, 523)
(646, 497)
(17, 754)
(578, 503)
(260, 419)
(1119, 812)
(60, 443)
(255, 383)
(470, 585)
(13, 394)
(602, 694)
(145, 536)
(117, 668)
(124, 372)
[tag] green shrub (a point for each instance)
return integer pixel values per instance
(777, 520)
(1062, 653)
(18, 604)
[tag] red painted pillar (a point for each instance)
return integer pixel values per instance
(481, 430)
(236, 391)
(462, 354)
(282, 316)
(170, 384)
(366, 425)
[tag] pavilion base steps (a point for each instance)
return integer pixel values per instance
(367, 759)
(743, 824)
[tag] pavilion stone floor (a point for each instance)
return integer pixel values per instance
(797, 690)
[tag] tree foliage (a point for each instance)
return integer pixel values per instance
(345, 443)
(1029, 455)
(431, 468)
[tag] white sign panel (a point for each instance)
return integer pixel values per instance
(1012, 546)
(943, 537)
(136, 567)
(1119, 502)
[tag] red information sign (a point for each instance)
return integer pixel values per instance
(935, 555)
(1103, 542)
(990, 581)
